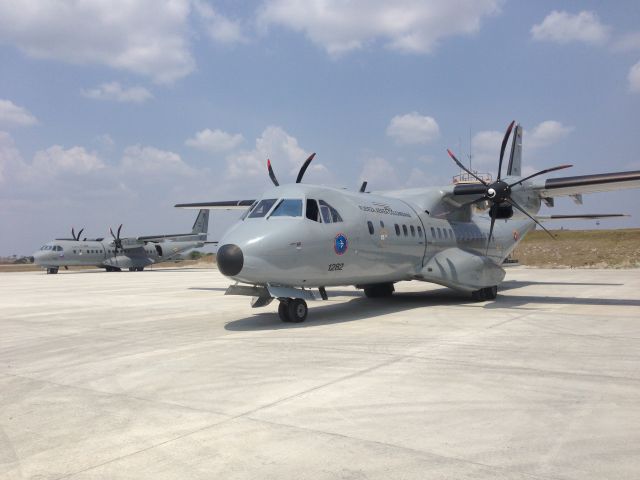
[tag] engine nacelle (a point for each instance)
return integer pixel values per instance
(501, 211)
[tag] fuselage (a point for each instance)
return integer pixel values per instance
(103, 254)
(312, 236)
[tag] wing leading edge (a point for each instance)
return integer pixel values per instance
(223, 205)
(602, 182)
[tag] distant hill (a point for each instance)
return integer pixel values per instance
(581, 248)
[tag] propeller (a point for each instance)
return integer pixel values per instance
(303, 169)
(498, 193)
(117, 242)
(73, 233)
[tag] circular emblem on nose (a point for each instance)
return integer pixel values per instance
(340, 244)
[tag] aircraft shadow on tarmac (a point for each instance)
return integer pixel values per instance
(362, 308)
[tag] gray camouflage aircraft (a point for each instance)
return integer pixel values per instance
(301, 237)
(113, 255)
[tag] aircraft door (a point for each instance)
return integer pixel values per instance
(159, 250)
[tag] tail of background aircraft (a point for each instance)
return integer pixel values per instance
(515, 163)
(201, 225)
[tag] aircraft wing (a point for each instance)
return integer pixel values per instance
(222, 205)
(586, 216)
(602, 182)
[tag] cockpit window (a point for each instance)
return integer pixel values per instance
(329, 214)
(248, 210)
(312, 210)
(262, 208)
(288, 207)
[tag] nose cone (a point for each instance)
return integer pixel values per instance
(230, 259)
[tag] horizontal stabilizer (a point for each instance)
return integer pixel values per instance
(222, 205)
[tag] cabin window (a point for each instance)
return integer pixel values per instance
(313, 213)
(439, 233)
(404, 230)
(370, 225)
(381, 224)
(433, 232)
(413, 231)
(420, 232)
(288, 207)
(397, 229)
(445, 233)
(451, 234)
(329, 214)
(262, 208)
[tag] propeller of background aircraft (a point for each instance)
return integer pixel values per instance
(498, 193)
(73, 233)
(117, 242)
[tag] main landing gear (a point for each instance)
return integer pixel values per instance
(136, 269)
(293, 310)
(52, 270)
(487, 293)
(113, 269)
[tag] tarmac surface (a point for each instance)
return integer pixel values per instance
(157, 374)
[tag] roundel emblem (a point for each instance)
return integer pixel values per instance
(340, 244)
(516, 235)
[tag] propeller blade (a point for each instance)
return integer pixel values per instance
(552, 169)
(363, 187)
(493, 222)
(73, 233)
(304, 167)
(504, 145)
(111, 232)
(80, 233)
(453, 157)
(512, 202)
(271, 174)
(119, 228)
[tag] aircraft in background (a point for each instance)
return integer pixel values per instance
(300, 237)
(134, 253)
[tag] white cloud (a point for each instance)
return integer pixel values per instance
(56, 160)
(214, 141)
(275, 144)
(219, 28)
(545, 134)
(405, 25)
(564, 27)
(379, 174)
(634, 78)
(627, 43)
(146, 37)
(153, 162)
(12, 115)
(11, 162)
(115, 92)
(413, 128)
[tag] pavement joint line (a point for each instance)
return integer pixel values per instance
(401, 447)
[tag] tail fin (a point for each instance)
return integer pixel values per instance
(201, 225)
(515, 160)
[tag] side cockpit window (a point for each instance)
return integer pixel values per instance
(262, 208)
(312, 210)
(248, 210)
(329, 214)
(288, 207)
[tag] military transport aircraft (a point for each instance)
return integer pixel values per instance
(114, 255)
(298, 237)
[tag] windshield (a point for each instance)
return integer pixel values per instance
(248, 210)
(329, 214)
(288, 207)
(262, 208)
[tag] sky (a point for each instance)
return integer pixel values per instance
(112, 111)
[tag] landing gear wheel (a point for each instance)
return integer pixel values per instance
(132, 269)
(487, 293)
(297, 310)
(139, 269)
(52, 270)
(379, 291)
(283, 310)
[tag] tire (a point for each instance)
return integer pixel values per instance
(132, 269)
(297, 310)
(52, 271)
(379, 291)
(283, 311)
(478, 295)
(491, 292)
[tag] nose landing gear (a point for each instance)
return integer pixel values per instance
(293, 310)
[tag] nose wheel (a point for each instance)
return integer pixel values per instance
(293, 310)
(488, 293)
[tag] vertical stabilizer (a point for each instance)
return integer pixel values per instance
(515, 159)
(201, 225)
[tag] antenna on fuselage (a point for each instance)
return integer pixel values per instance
(363, 187)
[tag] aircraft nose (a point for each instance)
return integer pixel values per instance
(230, 259)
